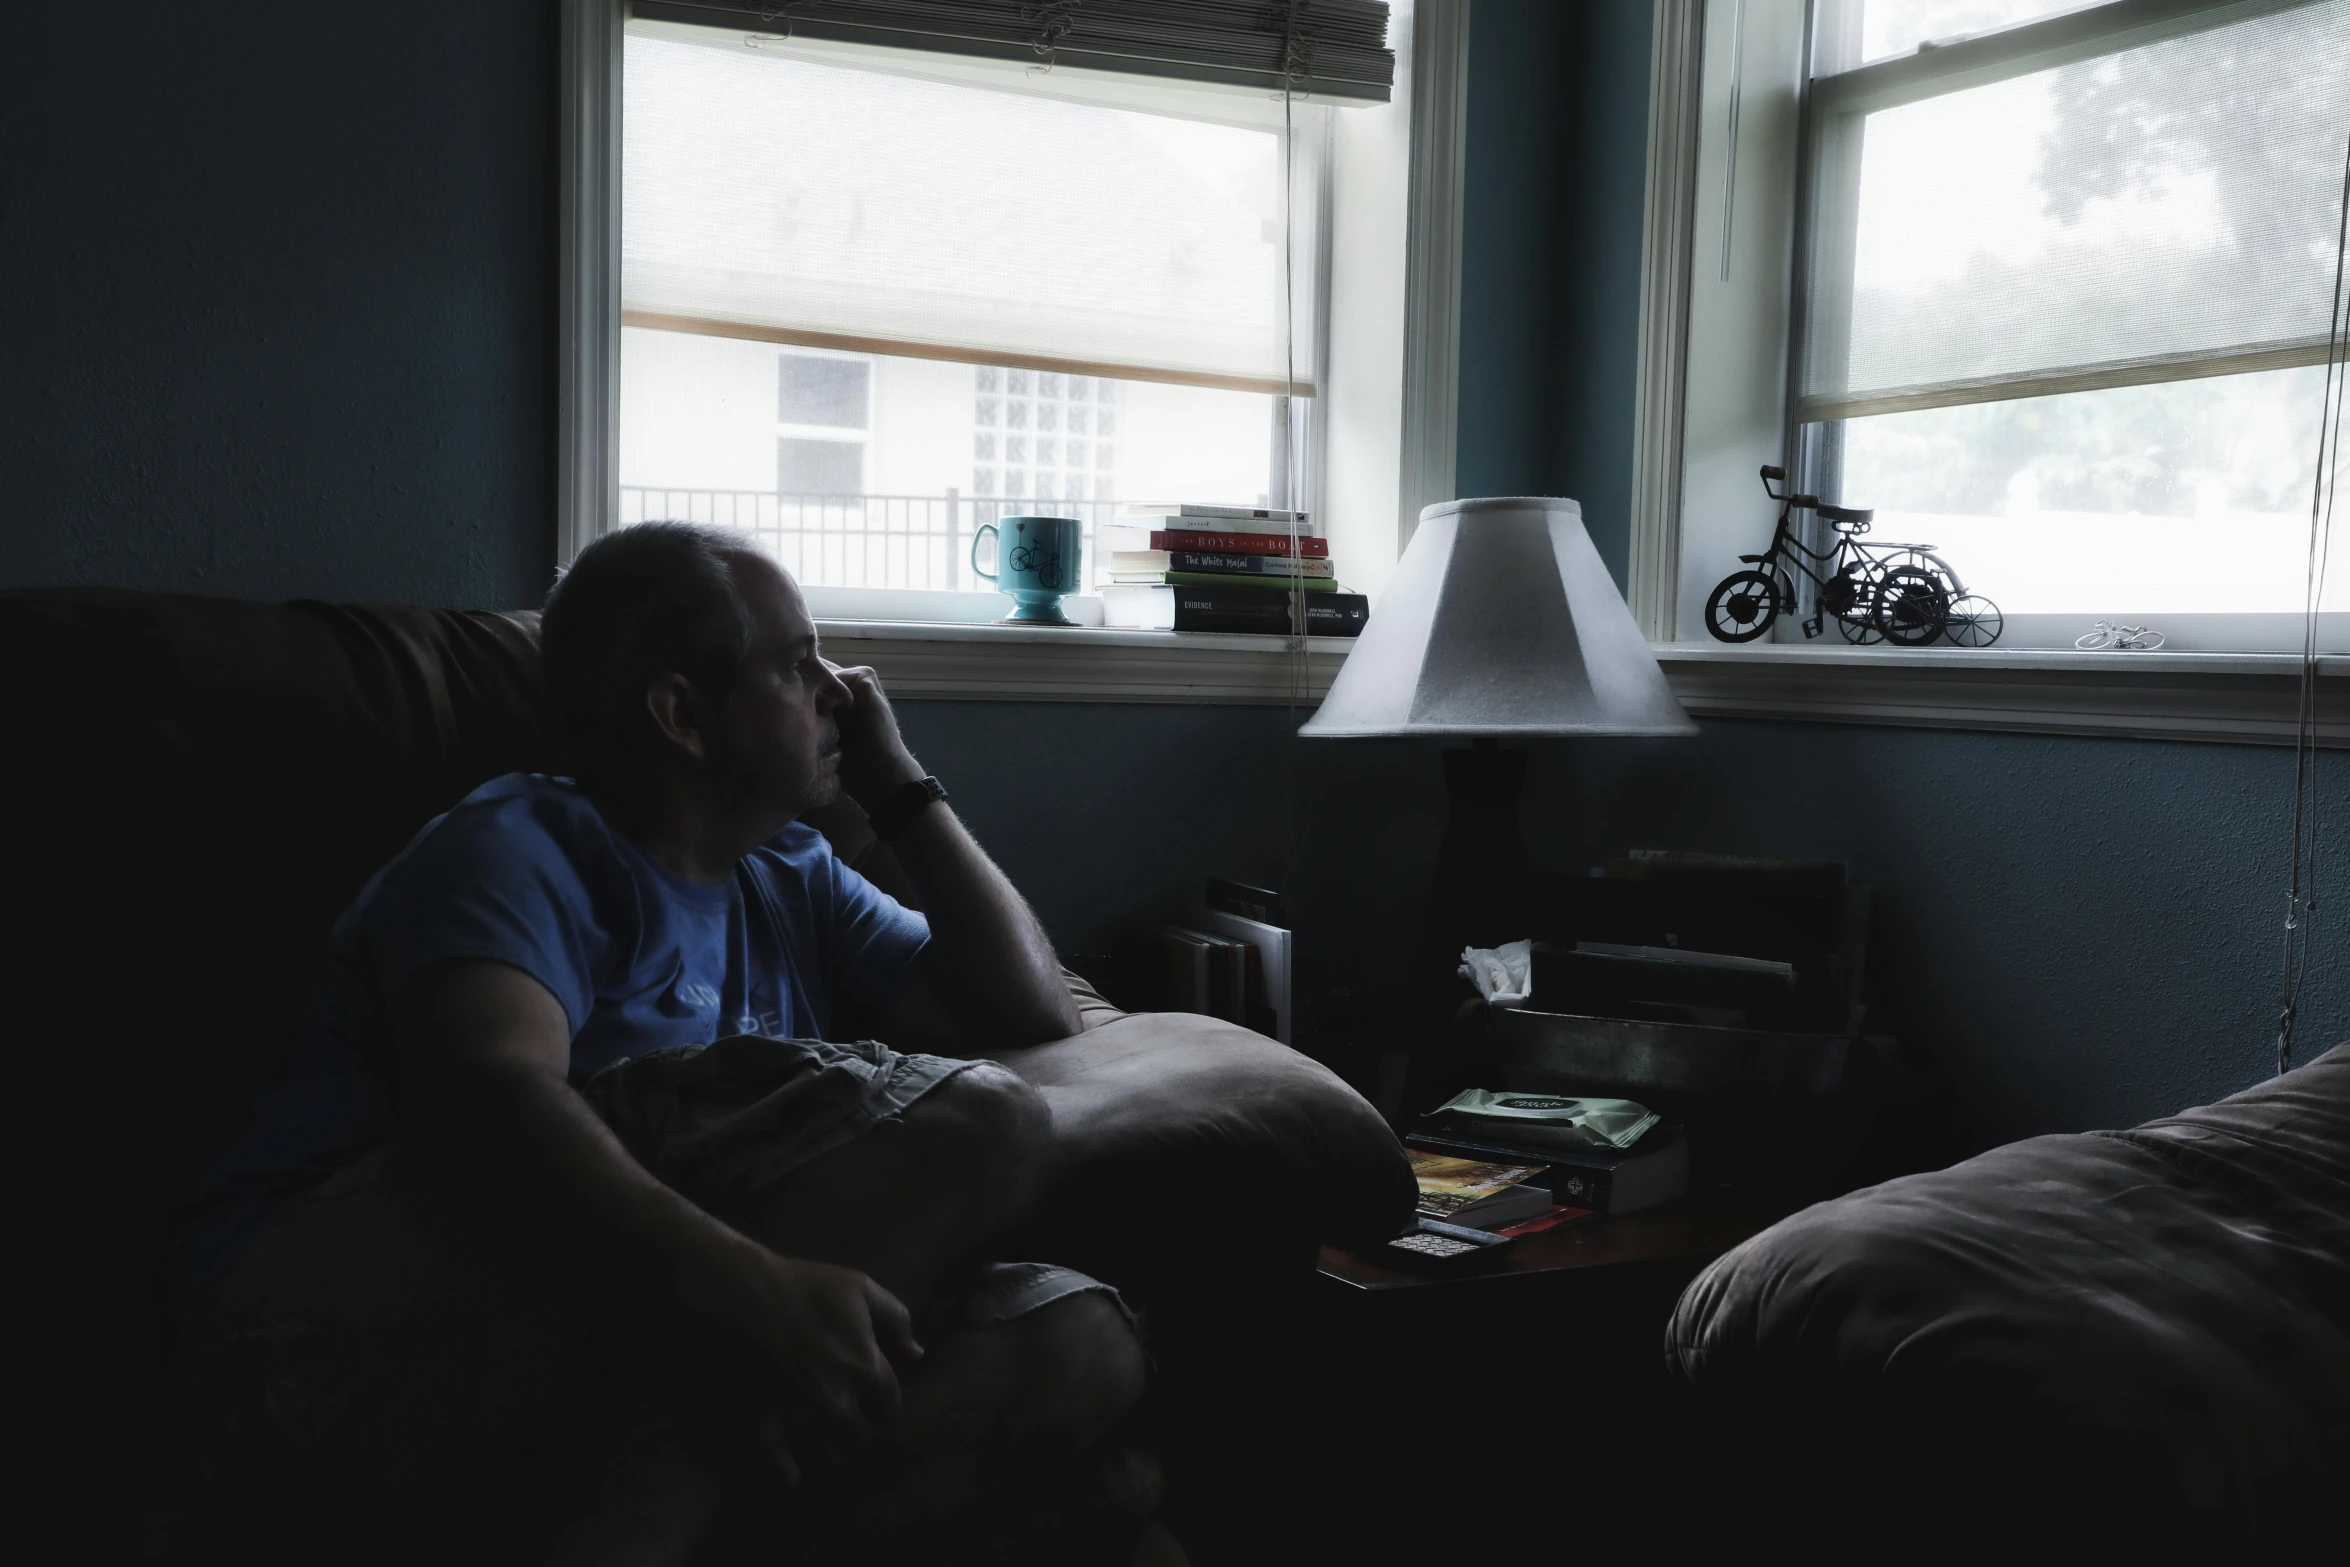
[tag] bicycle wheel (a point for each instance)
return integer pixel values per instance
(1859, 628)
(1850, 598)
(1742, 607)
(1974, 621)
(1912, 606)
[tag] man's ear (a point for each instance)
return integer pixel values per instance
(679, 714)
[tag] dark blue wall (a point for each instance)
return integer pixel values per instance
(280, 294)
(279, 284)
(1550, 255)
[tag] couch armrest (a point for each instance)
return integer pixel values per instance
(1171, 1128)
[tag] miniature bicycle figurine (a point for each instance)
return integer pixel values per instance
(1899, 593)
(2144, 639)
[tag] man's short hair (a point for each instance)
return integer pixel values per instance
(642, 601)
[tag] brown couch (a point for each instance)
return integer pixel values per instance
(2133, 1340)
(199, 786)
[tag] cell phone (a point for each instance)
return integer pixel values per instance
(1431, 1243)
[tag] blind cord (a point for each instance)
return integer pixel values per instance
(1296, 67)
(2301, 894)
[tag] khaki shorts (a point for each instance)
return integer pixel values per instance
(364, 1346)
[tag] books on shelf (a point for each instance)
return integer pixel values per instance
(1308, 547)
(1244, 609)
(1222, 579)
(1256, 570)
(1222, 966)
(1231, 562)
(1266, 1006)
(1194, 516)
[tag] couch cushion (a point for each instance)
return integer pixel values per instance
(2150, 1326)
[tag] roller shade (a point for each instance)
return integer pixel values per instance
(1332, 49)
(864, 201)
(2041, 212)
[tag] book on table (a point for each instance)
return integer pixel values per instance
(1473, 1192)
(1652, 1171)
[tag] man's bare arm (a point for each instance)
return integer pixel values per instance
(489, 1123)
(990, 974)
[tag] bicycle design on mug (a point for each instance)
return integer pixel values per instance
(1042, 559)
(1904, 594)
(2143, 639)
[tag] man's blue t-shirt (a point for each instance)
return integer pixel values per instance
(526, 871)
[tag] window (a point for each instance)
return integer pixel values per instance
(2046, 285)
(873, 299)
(2068, 323)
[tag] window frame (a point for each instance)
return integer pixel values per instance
(1381, 441)
(1721, 299)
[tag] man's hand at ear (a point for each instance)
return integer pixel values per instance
(989, 979)
(874, 760)
(805, 1354)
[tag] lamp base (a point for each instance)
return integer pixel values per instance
(1480, 895)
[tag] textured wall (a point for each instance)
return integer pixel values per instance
(280, 300)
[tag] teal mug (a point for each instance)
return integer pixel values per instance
(1038, 559)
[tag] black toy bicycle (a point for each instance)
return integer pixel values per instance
(1899, 593)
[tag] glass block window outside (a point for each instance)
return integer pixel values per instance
(1044, 463)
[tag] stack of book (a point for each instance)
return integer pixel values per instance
(1224, 568)
(1653, 1170)
(1503, 1199)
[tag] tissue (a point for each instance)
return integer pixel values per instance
(1503, 975)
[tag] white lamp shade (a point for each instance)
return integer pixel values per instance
(1501, 620)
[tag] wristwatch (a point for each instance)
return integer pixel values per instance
(895, 814)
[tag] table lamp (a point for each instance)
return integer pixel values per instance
(1501, 622)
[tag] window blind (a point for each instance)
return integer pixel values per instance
(1328, 49)
(1990, 224)
(842, 202)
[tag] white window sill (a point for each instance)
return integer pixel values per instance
(920, 660)
(2243, 698)
(2246, 698)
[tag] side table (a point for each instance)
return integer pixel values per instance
(1421, 1416)
(1693, 1230)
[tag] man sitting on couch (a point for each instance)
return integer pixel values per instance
(506, 1220)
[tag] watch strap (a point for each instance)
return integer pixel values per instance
(896, 813)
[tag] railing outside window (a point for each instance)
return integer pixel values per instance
(862, 541)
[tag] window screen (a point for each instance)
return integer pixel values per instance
(824, 391)
(805, 467)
